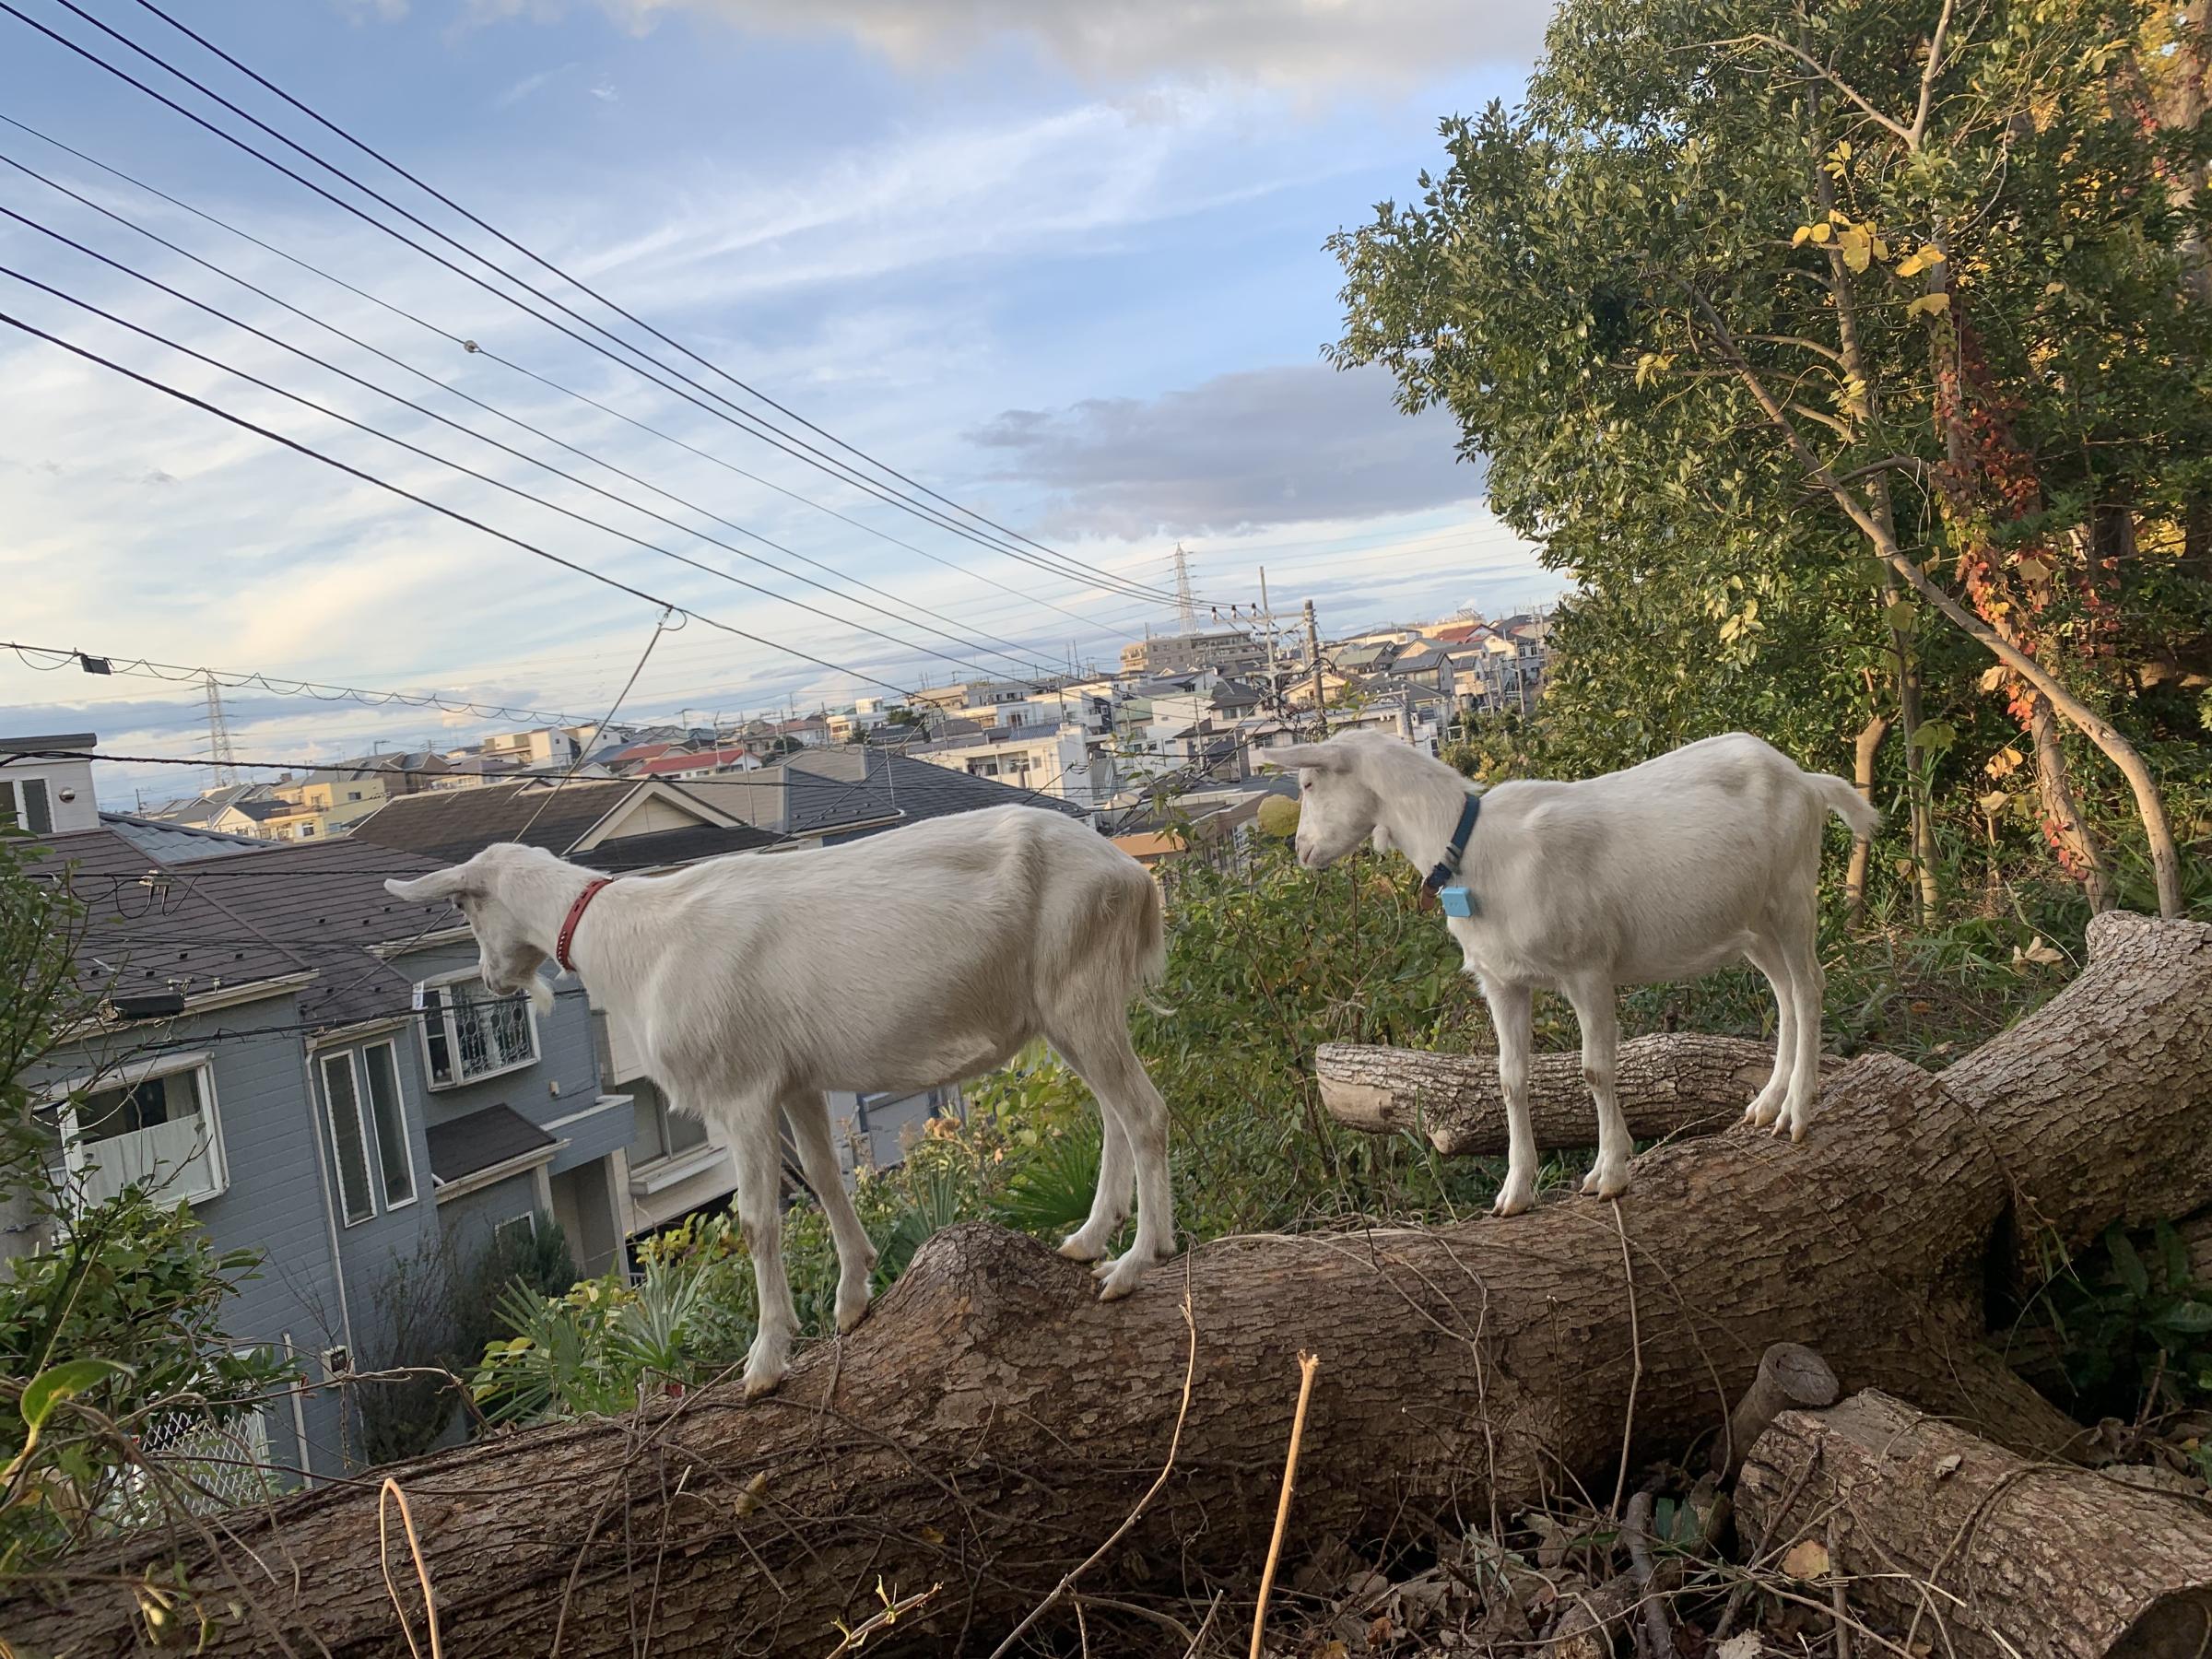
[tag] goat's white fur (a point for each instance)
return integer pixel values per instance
(900, 963)
(1665, 871)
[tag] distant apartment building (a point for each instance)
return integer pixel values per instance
(1230, 651)
(1055, 759)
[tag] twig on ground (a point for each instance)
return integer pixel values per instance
(1307, 1365)
(889, 1614)
(1190, 1372)
(1835, 1594)
(1198, 1640)
(1628, 1422)
(391, 1489)
(1656, 1639)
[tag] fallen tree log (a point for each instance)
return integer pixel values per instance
(1946, 1539)
(1668, 1086)
(992, 1423)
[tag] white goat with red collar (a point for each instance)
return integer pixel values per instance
(900, 962)
(1666, 871)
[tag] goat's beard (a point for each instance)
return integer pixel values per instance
(541, 994)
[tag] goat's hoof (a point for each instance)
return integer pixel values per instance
(1761, 1112)
(850, 1314)
(1603, 1183)
(1076, 1248)
(1516, 1198)
(1119, 1278)
(757, 1382)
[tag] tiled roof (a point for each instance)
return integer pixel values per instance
(453, 825)
(173, 843)
(483, 1140)
(826, 789)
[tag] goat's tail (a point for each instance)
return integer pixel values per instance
(1151, 948)
(1844, 800)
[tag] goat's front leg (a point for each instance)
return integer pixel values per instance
(1510, 1011)
(758, 1149)
(1109, 1201)
(1596, 1012)
(807, 1112)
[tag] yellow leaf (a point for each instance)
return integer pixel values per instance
(1993, 803)
(1803, 235)
(2005, 762)
(1858, 246)
(1881, 248)
(1992, 677)
(1807, 1560)
(1912, 264)
(1928, 305)
(2034, 569)
(1838, 215)
(1930, 254)
(1822, 233)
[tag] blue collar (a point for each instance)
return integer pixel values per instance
(1449, 866)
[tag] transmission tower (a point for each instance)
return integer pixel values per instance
(219, 752)
(1185, 610)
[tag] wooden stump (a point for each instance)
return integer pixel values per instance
(1946, 1539)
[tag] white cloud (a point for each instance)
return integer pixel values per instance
(529, 86)
(1298, 44)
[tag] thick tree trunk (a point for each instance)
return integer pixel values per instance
(992, 1423)
(1675, 1084)
(1981, 1554)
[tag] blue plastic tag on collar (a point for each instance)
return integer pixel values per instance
(1456, 900)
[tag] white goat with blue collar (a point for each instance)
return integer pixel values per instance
(1666, 871)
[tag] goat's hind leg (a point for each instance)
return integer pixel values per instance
(1511, 1008)
(758, 1148)
(1100, 1049)
(1770, 957)
(807, 1112)
(1596, 1012)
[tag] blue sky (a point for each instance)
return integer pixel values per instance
(1061, 262)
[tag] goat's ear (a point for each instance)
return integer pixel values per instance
(429, 890)
(1319, 756)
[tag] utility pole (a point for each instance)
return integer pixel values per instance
(1275, 684)
(1320, 713)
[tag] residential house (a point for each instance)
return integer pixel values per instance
(314, 1068)
(1057, 759)
(1228, 651)
(42, 789)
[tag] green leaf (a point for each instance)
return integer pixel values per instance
(2189, 1319)
(2127, 1263)
(59, 1382)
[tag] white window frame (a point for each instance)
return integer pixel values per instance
(18, 803)
(370, 1163)
(63, 1103)
(526, 1220)
(450, 1028)
(399, 1103)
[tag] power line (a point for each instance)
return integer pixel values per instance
(282, 686)
(367, 477)
(466, 430)
(730, 413)
(416, 449)
(475, 349)
(575, 281)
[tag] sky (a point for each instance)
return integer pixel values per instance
(1059, 264)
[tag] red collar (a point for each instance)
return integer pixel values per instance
(567, 927)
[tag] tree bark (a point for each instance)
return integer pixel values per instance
(2067, 826)
(991, 1422)
(1675, 1085)
(1863, 750)
(1975, 1550)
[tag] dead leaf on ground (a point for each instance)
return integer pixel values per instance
(1807, 1560)
(1945, 1467)
(1743, 1645)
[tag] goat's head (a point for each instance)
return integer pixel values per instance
(1338, 806)
(485, 891)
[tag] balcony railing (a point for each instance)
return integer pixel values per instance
(174, 1160)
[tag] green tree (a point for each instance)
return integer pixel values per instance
(1754, 311)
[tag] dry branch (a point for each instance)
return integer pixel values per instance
(1984, 1554)
(991, 1421)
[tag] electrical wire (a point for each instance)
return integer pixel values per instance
(575, 281)
(475, 349)
(236, 680)
(416, 449)
(730, 413)
(470, 432)
(367, 477)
